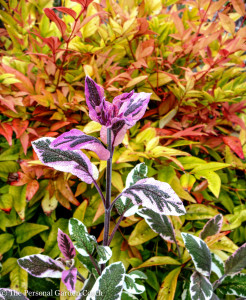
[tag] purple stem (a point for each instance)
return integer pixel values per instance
(116, 227)
(99, 191)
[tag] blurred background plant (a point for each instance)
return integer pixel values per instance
(189, 55)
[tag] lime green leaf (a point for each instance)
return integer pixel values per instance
(6, 242)
(141, 234)
(27, 230)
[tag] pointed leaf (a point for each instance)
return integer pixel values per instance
(104, 254)
(168, 287)
(69, 278)
(159, 224)
(131, 286)
(236, 262)
(53, 17)
(8, 294)
(74, 162)
(156, 195)
(199, 253)
(76, 139)
(85, 260)
(158, 261)
(234, 144)
(234, 285)
(66, 10)
(137, 173)
(25, 231)
(110, 283)
(41, 266)
(83, 242)
(65, 244)
(200, 287)
(212, 227)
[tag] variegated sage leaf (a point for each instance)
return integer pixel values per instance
(199, 253)
(88, 285)
(186, 291)
(110, 284)
(127, 296)
(74, 162)
(104, 254)
(65, 245)
(236, 262)
(8, 294)
(69, 278)
(159, 224)
(76, 139)
(233, 285)
(218, 266)
(131, 286)
(82, 240)
(200, 287)
(85, 260)
(215, 297)
(156, 195)
(42, 266)
(212, 227)
(137, 173)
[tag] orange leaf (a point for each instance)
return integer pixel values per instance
(7, 131)
(19, 126)
(31, 189)
(239, 7)
(24, 139)
(227, 23)
(234, 144)
(65, 190)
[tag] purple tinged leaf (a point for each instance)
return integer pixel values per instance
(65, 245)
(69, 278)
(236, 262)
(74, 162)
(41, 266)
(119, 129)
(212, 227)
(8, 294)
(155, 195)
(76, 139)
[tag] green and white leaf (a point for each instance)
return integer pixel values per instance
(218, 266)
(234, 285)
(127, 296)
(212, 227)
(131, 286)
(85, 260)
(104, 254)
(200, 287)
(199, 253)
(138, 172)
(82, 240)
(236, 262)
(110, 283)
(159, 224)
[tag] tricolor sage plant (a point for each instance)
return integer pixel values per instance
(156, 198)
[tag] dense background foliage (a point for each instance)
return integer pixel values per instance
(190, 56)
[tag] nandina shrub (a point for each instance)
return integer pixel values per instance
(188, 56)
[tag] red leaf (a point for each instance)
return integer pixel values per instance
(7, 131)
(31, 189)
(19, 126)
(58, 125)
(235, 145)
(53, 17)
(84, 3)
(65, 10)
(24, 141)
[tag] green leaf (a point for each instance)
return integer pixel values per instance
(168, 287)
(8, 265)
(88, 285)
(158, 261)
(104, 254)
(211, 166)
(234, 285)
(212, 227)
(18, 194)
(218, 266)
(110, 283)
(213, 179)
(18, 278)
(200, 287)
(29, 250)
(159, 224)
(199, 253)
(200, 212)
(131, 286)
(6, 242)
(27, 230)
(141, 234)
(237, 261)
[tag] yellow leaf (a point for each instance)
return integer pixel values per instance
(136, 80)
(158, 79)
(214, 182)
(158, 261)
(117, 181)
(92, 127)
(200, 212)
(168, 287)
(145, 135)
(80, 211)
(152, 143)
(227, 23)
(141, 234)
(175, 184)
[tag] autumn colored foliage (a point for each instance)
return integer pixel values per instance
(190, 55)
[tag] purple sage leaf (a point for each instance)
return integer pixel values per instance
(236, 262)
(212, 227)
(76, 139)
(65, 245)
(74, 162)
(8, 294)
(69, 278)
(156, 195)
(41, 266)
